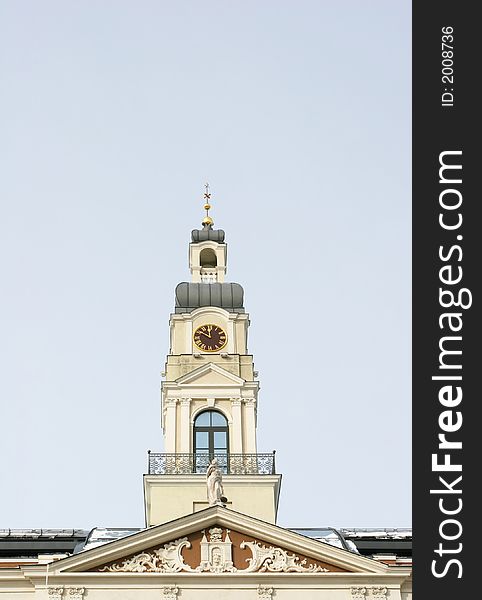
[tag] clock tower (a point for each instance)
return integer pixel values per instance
(209, 396)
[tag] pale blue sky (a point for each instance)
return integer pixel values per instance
(113, 116)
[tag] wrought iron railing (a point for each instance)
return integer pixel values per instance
(230, 464)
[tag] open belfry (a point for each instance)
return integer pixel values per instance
(210, 498)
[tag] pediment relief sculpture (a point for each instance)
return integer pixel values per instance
(167, 559)
(277, 560)
(213, 553)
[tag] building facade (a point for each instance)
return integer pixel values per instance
(210, 498)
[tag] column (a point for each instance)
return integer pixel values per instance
(185, 417)
(236, 444)
(250, 425)
(170, 430)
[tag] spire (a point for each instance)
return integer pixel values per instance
(207, 232)
(207, 222)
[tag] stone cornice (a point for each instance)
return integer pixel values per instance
(91, 580)
(175, 388)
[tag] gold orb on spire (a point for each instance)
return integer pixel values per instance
(207, 221)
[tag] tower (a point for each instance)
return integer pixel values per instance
(209, 396)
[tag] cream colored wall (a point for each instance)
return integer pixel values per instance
(18, 589)
(181, 364)
(241, 333)
(406, 590)
(221, 404)
(182, 327)
(169, 497)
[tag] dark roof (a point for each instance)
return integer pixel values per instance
(371, 542)
(207, 233)
(30, 543)
(190, 296)
(392, 546)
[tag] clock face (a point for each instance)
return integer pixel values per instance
(210, 338)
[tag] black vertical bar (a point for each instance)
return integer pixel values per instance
(446, 128)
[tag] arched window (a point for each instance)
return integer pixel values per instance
(210, 440)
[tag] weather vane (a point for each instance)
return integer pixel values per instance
(207, 221)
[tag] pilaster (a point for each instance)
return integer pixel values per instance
(170, 406)
(185, 441)
(237, 433)
(250, 425)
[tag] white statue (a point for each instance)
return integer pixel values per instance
(214, 480)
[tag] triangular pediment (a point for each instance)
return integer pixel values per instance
(210, 374)
(217, 540)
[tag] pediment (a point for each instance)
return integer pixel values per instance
(210, 374)
(218, 550)
(217, 540)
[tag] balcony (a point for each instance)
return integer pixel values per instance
(230, 464)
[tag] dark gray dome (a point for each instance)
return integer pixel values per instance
(194, 295)
(207, 233)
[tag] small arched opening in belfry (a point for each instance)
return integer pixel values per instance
(208, 258)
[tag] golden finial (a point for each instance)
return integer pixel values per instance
(207, 221)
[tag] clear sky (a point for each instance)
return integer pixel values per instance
(113, 116)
